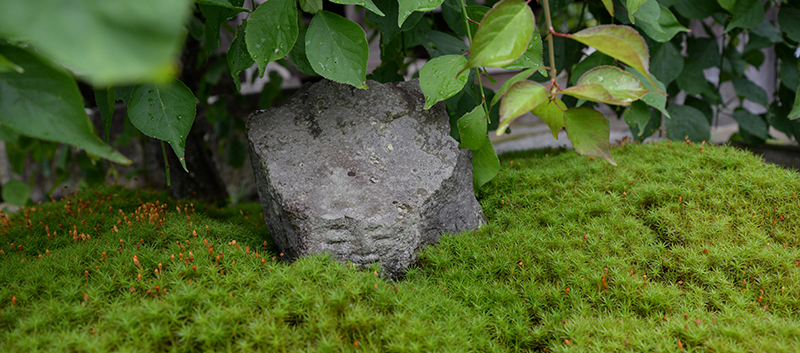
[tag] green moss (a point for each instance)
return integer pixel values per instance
(680, 246)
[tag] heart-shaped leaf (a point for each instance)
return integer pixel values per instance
(521, 98)
(620, 42)
(165, 112)
(588, 130)
(438, 79)
(552, 113)
(337, 49)
(472, 128)
(609, 85)
(503, 35)
(271, 31)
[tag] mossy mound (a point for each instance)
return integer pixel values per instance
(680, 247)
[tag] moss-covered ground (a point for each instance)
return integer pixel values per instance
(681, 247)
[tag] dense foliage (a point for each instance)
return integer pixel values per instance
(127, 51)
(683, 246)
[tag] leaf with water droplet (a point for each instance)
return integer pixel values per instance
(503, 35)
(438, 79)
(608, 84)
(348, 42)
(166, 118)
(262, 29)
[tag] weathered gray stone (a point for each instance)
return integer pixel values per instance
(365, 175)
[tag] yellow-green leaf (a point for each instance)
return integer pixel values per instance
(521, 98)
(503, 35)
(608, 84)
(588, 130)
(620, 42)
(552, 113)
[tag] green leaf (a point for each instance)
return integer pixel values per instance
(298, 55)
(665, 28)
(272, 31)
(224, 3)
(746, 14)
(652, 98)
(104, 98)
(702, 105)
(704, 51)
(387, 72)
(590, 62)
(108, 42)
(608, 84)
(687, 122)
(337, 49)
(637, 115)
(521, 98)
(696, 9)
(727, 4)
(7, 65)
(406, 7)
(750, 91)
(388, 23)
(503, 35)
(751, 123)
(45, 103)
(787, 20)
(472, 129)
(666, 63)
(588, 130)
(692, 79)
(518, 77)
(609, 5)
(238, 57)
(485, 164)
(795, 113)
(532, 57)
(633, 6)
(165, 112)
(438, 79)
(733, 62)
(16, 192)
(767, 30)
(311, 6)
(552, 113)
(439, 43)
(367, 4)
(620, 42)
(215, 16)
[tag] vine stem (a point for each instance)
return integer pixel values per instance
(553, 73)
(469, 35)
(166, 162)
